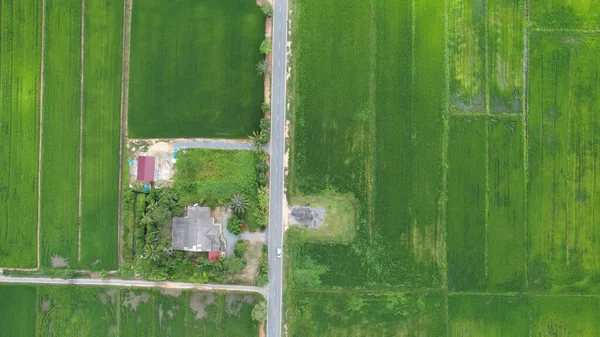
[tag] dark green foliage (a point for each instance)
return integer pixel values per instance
(265, 46)
(193, 69)
(259, 312)
(235, 225)
(265, 107)
(267, 8)
(239, 203)
(239, 249)
(261, 67)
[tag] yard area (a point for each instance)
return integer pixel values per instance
(193, 69)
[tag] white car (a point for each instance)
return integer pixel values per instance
(278, 252)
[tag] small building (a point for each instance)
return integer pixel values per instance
(196, 231)
(146, 168)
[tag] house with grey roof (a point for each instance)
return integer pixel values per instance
(196, 231)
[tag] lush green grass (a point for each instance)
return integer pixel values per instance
(506, 247)
(20, 52)
(467, 195)
(138, 314)
(467, 57)
(505, 43)
(366, 314)
(582, 14)
(101, 132)
(18, 311)
(563, 190)
(60, 149)
(193, 68)
(205, 175)
(565, 316)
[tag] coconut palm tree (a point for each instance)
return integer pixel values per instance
(239, 203)
(152, 252)
(146, 220)
(261, 67)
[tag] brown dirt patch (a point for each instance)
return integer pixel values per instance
(59, 262)
(45, 305)
(108, 296)
(171, 292)
(261, 330)
(199, 301)
(252, 256)
(132, 300)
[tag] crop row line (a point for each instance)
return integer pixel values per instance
(503, 115)
(524, 116)
(444, 196)
(81, 55)
(566, 30)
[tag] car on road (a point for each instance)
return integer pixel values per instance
(278, 252)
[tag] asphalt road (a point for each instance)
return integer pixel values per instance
(278, 101)
(132, 283)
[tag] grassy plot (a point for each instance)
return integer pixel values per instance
(489, 316)
(563, 158)
(506, 248)
(466, 219)
(138, 314)
(76, 311)
(18, 311)
(205, 175)
(101, 128)
(60, 150)
(366, 314)
(506, 27)
(20, 52)
(193, 69)
(581, 14)
(467, 56)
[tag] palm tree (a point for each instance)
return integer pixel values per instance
(239, 203)
(146, 220)
(261, 67)
(152, 252)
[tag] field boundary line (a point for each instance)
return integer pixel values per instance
(518, 294)
(444, 196)
(41, 131)
(487, 198)
(486, 32)
(127, 7)
(566, 30)
(378, 291)
(502, 115)
(81, 70)
(569, 159)
(524, 117)
(371, 153)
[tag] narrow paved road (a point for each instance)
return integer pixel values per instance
(133, 284)
(278, 102)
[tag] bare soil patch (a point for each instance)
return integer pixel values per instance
(45, 305)
(59, 262)
(199, 301)
(132, 300)
(171, 292)
(109, 296)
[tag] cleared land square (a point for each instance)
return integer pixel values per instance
(20, 53)
(193, 69)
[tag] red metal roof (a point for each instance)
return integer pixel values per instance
(145, 170)
(213, 255)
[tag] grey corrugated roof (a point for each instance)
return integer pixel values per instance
(196, 231)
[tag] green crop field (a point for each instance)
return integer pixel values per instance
(581, 14)
(60, 143)
(96, 311)
(468, 136)
(193, 69)
(101, 132)
(486, 50)
(20, 53)
(563, 189)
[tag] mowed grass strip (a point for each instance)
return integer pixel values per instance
(60, 147)
(505, 43)
(563, 191)
(18, 310)
(582, 14)
(506, 248)
(101, 133)
(20, 52)
(193, 69)
(466, 206)
(467, 55)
